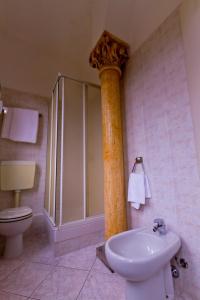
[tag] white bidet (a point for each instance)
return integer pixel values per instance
(143, 257)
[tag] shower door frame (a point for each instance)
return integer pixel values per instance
(55, 97)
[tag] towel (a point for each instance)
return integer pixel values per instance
(20, 125)
(138, 189)
(147, 187)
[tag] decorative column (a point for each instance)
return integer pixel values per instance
(109, 57)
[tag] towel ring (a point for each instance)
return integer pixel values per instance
(138, 160)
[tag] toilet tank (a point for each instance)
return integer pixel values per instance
(17, 175)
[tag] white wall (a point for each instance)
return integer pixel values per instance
(190, 21)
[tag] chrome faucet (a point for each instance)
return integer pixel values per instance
(159, 226)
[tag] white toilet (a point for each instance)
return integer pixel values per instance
(15, 176)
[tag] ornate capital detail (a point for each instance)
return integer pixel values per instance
(109, 51)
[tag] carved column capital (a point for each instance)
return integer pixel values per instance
(109, 52)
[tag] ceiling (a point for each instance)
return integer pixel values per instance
(131, 20)
(56, 27)
(63, 27)
(61, 33)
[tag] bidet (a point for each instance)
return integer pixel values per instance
(143, 257)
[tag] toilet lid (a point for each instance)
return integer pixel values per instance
(15, 213)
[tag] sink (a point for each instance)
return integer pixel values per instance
(143, 257)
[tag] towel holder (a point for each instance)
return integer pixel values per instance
(138, 160)
(4, 110)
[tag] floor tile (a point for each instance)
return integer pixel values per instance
(62, 284)
(100, 267)
(7, 266)
(101, 286)
(80, 259)
(6, 296)
(38, 250)
(25, 279)
(186, 296)
(45, 255)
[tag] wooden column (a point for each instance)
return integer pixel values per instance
(109, 56)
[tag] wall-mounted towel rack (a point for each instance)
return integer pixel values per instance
(3, 110)
(138, 160)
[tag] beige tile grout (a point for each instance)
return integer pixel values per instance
(28, 297)
(53, 270)
(86, 279)
(72, 268)
(15, 269)
(14, 294)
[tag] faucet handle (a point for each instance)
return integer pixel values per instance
(159, 221)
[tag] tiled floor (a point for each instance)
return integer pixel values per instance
(38, 275)
(78, 275)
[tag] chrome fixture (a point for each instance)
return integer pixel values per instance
(175, 272)
(138, 160)
(159, 226)
(181, 262)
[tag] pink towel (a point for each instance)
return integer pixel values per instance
(20, 125)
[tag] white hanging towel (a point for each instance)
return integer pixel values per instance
(20, 125)
(138, 189)
(147, 187)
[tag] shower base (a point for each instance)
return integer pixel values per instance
(75, 235)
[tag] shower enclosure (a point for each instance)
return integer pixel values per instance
(74, 189)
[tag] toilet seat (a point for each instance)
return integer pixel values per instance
(15, 214)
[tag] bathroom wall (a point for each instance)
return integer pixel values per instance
(158, 126)
(190, 16)
(10, 150)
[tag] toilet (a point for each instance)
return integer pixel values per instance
(15, 176)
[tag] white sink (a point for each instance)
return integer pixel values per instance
(143, 257)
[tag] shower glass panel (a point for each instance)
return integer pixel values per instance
(72, 198)
(94, 165)
(75, 164)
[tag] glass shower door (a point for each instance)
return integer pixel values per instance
(75, 164)
(73, 173)
(94, 155)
